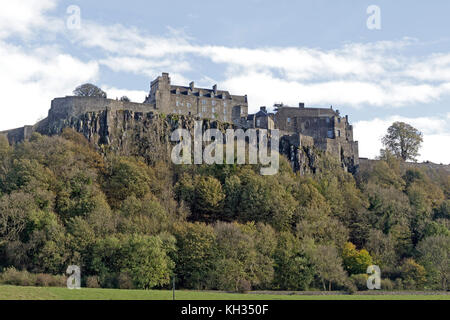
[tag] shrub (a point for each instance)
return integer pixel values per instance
(58, 281)
(244, 286)
(18, 278)
(24, 278)
(125, 281)
(92, 282)
(387, 285)
(398, 284)
(43, 280)
(360, 281)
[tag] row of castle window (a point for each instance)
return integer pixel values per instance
(204, 110)
(204, 102)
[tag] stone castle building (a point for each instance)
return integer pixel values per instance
(299, 126)
(198, 102)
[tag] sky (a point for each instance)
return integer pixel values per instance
(322, 53)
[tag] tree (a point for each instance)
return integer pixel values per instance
(209, 197)
(434, 255)
(195, 255)
(413, 274)
(293, 270)
(403, 141)
(328, 265)
(89, 90)
(355, 261)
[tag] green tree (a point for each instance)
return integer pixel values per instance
(195, 255)
(403, 140)
(413, 274)
(127, 177)
(434, 255)
(293, 270)
(328, 265)
(209, 198)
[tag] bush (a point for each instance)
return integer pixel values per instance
(92, 282)
(43, 280)
(398, 284)
(15, 277)
(244, 286)
(18, 278)
(387, 285)
(360, 281)
(125, 281)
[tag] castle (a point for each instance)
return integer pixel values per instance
(299, 127)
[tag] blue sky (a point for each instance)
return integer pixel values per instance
(319, 52)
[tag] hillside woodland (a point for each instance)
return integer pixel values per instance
(132, 224)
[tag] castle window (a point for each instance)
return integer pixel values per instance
(258, 122)
(339, 133)
(224, 110)
(330, 134)
(188, 105)
(288, 120)
(328, 120)
(178, 103)
(203, 101)
(213, 109)
(213, 102)
(224, 104)
(203, 109)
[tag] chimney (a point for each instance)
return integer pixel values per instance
(191, 85)
(301, 105)
(215, 89)
(264, 109)
(165, 75)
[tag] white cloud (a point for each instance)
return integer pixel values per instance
(134, 95)
(436, 136)
(21, 17)
(356, 75)
(31, 78)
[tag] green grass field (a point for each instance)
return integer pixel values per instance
(45, 293)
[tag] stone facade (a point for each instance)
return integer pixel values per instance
(198, 102)
(322, 127)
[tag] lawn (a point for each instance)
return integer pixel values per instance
(46, 293)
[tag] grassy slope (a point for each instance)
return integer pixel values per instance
(39, 293)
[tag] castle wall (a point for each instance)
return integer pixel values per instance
(72, 106)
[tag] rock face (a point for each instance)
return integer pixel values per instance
(148, 135)
(130, 129)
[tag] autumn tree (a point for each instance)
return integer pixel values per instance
(403, 141)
